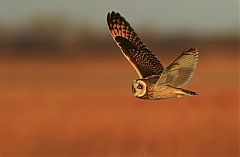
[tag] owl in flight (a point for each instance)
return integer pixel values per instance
(155, 82)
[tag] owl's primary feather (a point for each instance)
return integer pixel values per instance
(143, 60)
(181, 70)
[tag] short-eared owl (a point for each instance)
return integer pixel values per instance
(155, 82)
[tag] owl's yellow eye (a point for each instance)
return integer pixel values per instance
(139, 87)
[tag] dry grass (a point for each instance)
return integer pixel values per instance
(85, 107)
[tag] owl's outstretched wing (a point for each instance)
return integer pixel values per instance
(181, 70)
(143, 60)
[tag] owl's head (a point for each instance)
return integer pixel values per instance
(139, 88)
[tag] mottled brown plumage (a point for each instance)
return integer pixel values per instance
(144, 61)
(154, 82)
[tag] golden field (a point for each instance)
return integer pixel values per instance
(83, 106)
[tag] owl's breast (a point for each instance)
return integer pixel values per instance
(149, 92)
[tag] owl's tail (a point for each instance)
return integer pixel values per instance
(185, 92)
(188, 92)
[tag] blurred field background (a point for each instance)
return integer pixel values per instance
(65, 87)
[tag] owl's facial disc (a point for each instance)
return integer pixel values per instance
(139, 88)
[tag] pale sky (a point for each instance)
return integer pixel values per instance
(199, 16)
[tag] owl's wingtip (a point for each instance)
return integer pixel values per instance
(192, 50)
(112, 13)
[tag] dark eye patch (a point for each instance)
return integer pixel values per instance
(139, 87)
